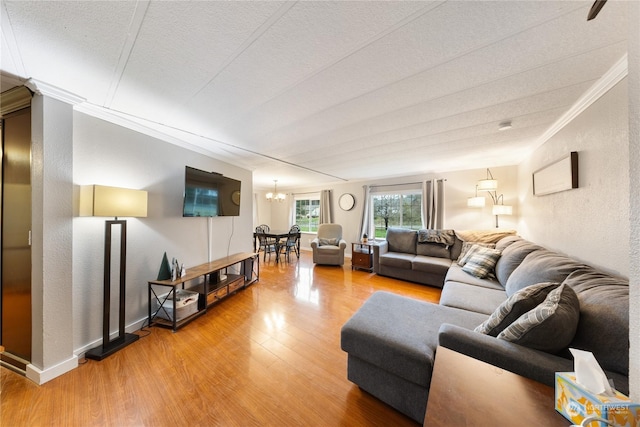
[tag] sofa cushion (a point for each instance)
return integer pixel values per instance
(468, 248)
(431, 264)
(515, 306)
(400, 334)
(433, 249)
(540, 266)
(512, 256)
(482, 262)
(502, 244)
(455, 274)
(478, 299)
(550, 326)
(604, 317)
(402, 240)
(397, 259)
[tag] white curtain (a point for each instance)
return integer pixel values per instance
(292, 209)
(325, 207)
(433, 203)
(365, 221)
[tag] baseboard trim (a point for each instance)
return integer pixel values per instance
(40, 376)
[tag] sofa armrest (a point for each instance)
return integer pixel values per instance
(379, 249)
(315, 243)
(534, 364)
(342, 244)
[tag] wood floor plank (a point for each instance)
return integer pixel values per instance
(267, 356)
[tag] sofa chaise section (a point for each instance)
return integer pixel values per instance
(391, 355)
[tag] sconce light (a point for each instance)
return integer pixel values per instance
(279, 197)
(98, 200)
(490, 185)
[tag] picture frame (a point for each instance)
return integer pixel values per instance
(560, 175)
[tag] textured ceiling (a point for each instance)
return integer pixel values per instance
(317, 92)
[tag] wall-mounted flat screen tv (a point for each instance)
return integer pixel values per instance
(208, 194)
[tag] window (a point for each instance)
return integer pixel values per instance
(396, 209)
(308, 212)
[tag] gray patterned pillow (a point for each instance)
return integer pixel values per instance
(550, 326)
(515, 306)
(468, 248)
(482, 262)
(328, 242)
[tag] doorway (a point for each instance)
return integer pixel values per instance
(15, 261)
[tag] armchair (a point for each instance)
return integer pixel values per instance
(328, 246)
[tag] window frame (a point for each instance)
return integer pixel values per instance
(307, 227)
(380, 232)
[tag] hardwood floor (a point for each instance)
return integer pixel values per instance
(267, 356)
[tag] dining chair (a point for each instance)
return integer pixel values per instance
(291, 243)
(268, 244)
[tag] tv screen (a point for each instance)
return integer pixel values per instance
(208, 194)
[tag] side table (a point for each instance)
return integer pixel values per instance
(362, 256)
(468, 392)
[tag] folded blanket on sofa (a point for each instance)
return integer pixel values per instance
(445, 237)
(483, 236)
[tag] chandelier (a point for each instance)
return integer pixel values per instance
(279, 197)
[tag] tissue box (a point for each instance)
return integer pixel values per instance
(576, 403)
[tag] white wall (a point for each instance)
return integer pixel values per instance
(590, 223)
(108, 154)
(460, 185)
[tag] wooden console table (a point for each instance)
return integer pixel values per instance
(211, 281)
(468, 392)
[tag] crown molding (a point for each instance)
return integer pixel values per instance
(41, 88)
(14, 99)
(612, 77)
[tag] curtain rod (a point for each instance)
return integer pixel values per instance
(403, 183)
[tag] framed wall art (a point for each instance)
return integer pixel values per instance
(560, 175)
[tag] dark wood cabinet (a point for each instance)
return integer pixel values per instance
(362, 256)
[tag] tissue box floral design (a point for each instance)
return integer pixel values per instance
(576, 403)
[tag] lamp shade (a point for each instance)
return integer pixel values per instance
(99, 200)
(488, 184)
(476, 202)
(502, 210)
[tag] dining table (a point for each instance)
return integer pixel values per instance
(278, 235)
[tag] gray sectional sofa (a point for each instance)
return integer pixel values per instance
(391, 340)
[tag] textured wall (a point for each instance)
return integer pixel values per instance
(52, 197)
(590, 223)
(107, 154)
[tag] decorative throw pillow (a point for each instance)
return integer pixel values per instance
(482, 261)
(515, 306)
(468, 247)
(328, 242)
(550, 326)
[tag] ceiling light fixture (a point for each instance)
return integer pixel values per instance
(279, 197)
(505, 125)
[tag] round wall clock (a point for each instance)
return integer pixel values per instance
(235, 197)
(346, 202)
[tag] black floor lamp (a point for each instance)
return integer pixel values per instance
(98, 200)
